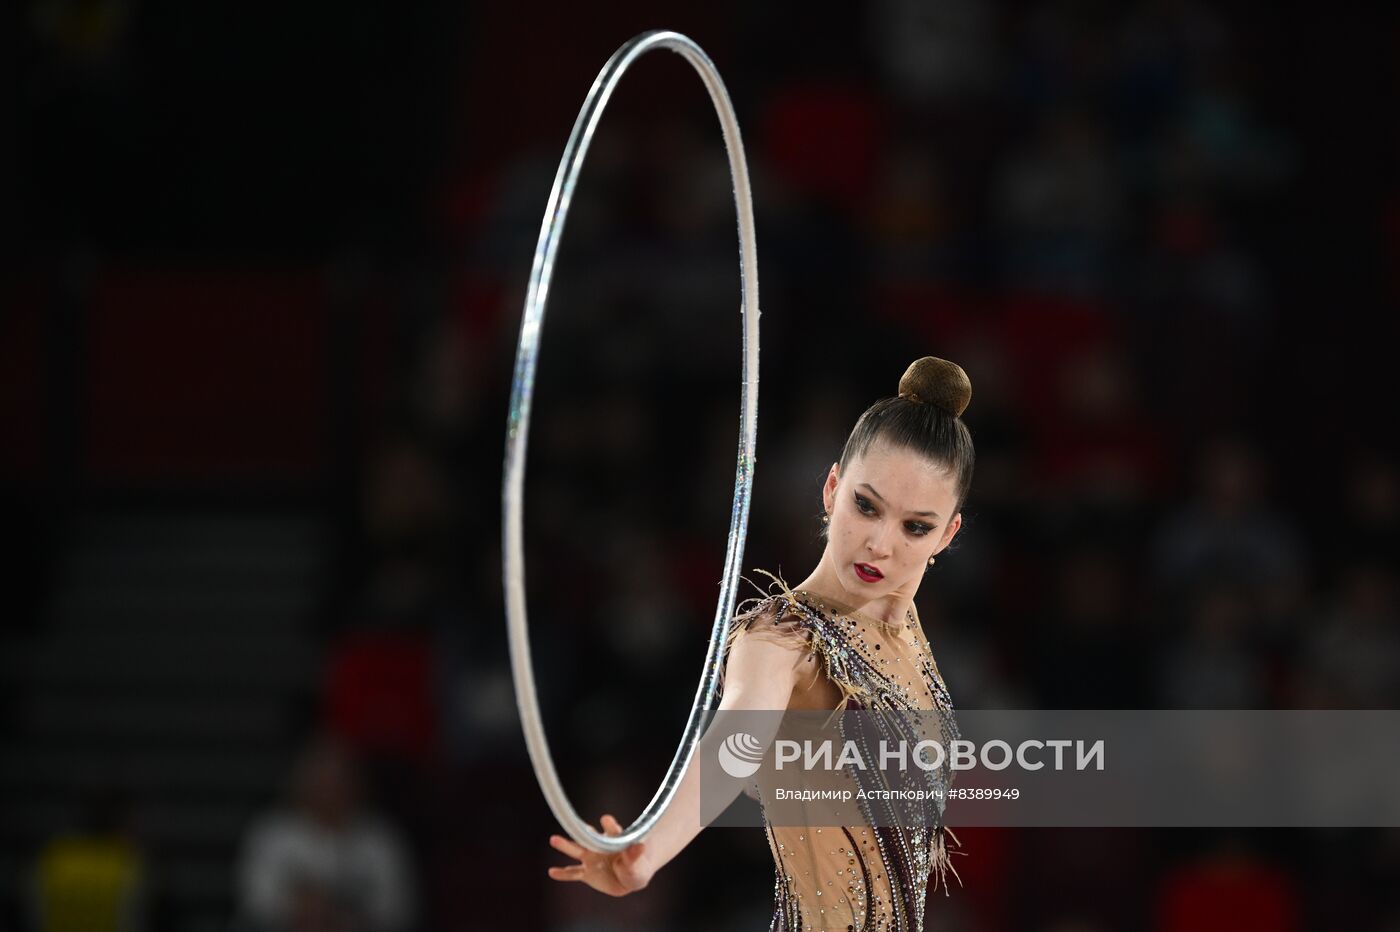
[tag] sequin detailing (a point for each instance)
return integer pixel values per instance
(858, 877)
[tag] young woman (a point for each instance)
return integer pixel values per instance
(848, 637)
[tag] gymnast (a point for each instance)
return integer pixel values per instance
(847, 637)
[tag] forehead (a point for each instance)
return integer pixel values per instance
(906, 480)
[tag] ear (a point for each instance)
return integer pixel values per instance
(950, 531)
(829, 488)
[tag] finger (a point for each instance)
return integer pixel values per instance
(567, 873)
(636, 851)
(565, 845)
(610, 826)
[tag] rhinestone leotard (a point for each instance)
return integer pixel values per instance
(857, 877)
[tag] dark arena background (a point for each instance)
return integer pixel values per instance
(267, 268)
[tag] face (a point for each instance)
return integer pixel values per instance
(890, 511)
(327, 783)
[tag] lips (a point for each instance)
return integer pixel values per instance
(868, 573)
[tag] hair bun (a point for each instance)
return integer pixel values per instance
(935, 381)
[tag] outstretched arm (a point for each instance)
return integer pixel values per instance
(760, 674)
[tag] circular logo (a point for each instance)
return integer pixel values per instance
(740, 755)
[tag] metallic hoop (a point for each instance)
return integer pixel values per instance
(518, 424)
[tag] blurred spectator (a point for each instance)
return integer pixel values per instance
(93, 879)
(326, 863)
(1229, 530)
(1210, 663)
(407, 502)
(1351, 658)
(1058, 202)
(912, 216)
(1158, 42)
(936, 51)
(1370, 528)
(1193, 263)
(1100, 451)
(1218, 144)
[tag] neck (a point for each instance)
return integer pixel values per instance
(890, 608)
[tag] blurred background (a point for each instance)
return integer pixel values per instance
(267, 268)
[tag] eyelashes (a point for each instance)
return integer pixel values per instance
(918, 529)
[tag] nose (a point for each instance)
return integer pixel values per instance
(878, 542)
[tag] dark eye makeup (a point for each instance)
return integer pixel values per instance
(917, 528)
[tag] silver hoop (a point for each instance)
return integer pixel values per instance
(518, 424)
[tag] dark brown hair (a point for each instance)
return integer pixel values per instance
(926, 417)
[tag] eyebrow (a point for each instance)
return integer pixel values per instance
(925, 514)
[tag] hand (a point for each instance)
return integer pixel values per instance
(616, 874)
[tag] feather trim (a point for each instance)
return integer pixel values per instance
(942, 860)
(810, 626)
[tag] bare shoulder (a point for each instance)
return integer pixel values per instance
(764, 657)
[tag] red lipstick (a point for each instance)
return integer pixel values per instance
(868, 573)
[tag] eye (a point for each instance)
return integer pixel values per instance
(864, 505)
(917, 529)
